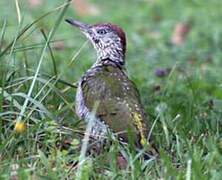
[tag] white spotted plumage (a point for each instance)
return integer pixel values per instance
(107, 82)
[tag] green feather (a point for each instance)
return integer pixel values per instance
(119, 103)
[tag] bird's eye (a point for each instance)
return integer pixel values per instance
(101, 31)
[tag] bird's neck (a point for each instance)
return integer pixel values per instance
(113, 54)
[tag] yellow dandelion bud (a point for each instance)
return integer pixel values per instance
(20, 127)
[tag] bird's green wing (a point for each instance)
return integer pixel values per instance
(119, 103)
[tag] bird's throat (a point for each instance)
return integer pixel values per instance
(112, 54)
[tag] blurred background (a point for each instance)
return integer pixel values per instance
(173, 56)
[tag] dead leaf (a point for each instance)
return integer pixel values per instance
(180, 33)
(35, 3)
(59, 45)
(121, 162)
(84, 8)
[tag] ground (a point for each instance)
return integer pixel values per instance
(173, 56)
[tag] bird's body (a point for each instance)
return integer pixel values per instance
(118, 99)
(119, 108)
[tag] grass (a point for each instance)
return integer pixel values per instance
(41, 59)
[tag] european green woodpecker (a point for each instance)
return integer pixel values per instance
(119, 108)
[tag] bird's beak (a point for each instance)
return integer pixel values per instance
(82, 26)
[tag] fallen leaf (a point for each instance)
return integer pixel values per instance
(35, 3)
(59, 45)
(121, 162)
(84, 8)
(180, 33)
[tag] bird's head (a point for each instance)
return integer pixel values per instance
(108, 39)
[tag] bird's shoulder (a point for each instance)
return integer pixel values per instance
(108, 81)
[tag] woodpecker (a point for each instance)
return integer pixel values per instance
(106, 82)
